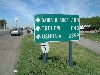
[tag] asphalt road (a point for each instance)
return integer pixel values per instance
(4, 32)
(94, 46)
(9, 47)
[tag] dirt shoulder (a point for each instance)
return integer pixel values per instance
(9, 46)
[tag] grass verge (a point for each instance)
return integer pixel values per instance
(92, 36)
(30, 60)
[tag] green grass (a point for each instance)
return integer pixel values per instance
(30, 60)
(92, 36)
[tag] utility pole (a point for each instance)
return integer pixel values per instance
(16, 20)
(4, 23)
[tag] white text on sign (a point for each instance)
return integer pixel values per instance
(46, 28)
(57, 20)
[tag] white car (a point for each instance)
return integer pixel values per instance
(16, 31)
(29, 31)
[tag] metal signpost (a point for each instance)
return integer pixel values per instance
(70, 53)
(57, 27)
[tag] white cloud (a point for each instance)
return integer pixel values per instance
(18, 7)
(81, 7)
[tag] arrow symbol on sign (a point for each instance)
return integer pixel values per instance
(38, 36)
(37, 19)
(37, 28)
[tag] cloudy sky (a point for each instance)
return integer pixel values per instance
(25, 10)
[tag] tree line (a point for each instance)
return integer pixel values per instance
(92, 21)
(2, 23)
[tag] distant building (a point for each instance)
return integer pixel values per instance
(85, 27)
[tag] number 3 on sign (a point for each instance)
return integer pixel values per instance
(45, 47)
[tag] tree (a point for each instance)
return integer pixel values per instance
(2, 23)
(93, 21)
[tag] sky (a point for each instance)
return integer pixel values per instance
(25, 10)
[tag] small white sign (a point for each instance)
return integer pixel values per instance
(45, 47)
(16, 19)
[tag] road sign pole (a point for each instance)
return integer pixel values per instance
(70, 54)
(44, 58)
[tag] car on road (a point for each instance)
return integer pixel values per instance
(16, 31)
(30, 31)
